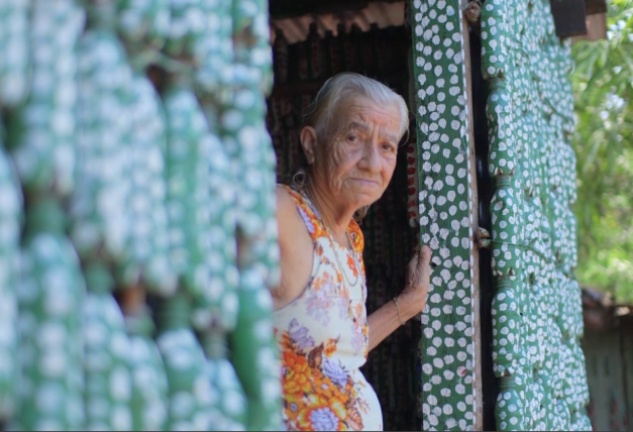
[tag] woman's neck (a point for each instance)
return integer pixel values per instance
(336, 218)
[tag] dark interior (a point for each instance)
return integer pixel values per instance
(484, 190)
(301, 68)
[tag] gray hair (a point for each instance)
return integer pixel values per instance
(339, 88)
(343, 87)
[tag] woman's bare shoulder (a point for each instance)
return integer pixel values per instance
(283, 195)
(296, 249)
(288, 217)
(286, 206)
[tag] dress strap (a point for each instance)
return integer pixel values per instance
(357, 237)
(311, 220)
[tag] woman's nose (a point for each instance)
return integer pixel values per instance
(370, 160)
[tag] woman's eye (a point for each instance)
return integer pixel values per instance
(388, 147)
(351, 138)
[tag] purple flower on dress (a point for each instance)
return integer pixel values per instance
(307, 221)
(359, 340)
(318, 304)
(343, 308)
(299, 336)
(334, 371)
(323, 419)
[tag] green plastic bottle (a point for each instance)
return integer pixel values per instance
(99, 207)
(144, 22)
(14, 44)
(229, 402)
(10, 225)
(51, 296)
(507, 325)
(248, 144)
(147, 251)
(107, 372)
(254, 354)
(190, 395)
(189, 199)
(187, 28)
(510, 408)
(42, 133)
(149, 379)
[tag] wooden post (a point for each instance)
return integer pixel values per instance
(474, 224)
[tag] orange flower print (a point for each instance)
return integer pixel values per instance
(339, 277)
(321, 415)
(366, 335)
(357, 237)
(319, 394)
(311, 221)
(330, 348)
(352, 265)
(297, 377)
(293, 406)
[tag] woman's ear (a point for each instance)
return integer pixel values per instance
(309, 142)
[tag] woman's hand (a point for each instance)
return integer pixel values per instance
(411, 301)
(413, 298)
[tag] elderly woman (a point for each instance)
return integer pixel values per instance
(350, 141)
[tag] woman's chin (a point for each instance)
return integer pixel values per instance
(365, 195)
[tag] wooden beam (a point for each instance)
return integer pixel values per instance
(596, 29)
(281, 9)
(569, 17)
(593, 7)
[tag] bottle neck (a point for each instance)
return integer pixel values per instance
(101, 15)
(140, 323)
(214, 344)
(504, 181)
(508, 383)
(497, 83)
(174, 313)
(45, 215)
(98, 279)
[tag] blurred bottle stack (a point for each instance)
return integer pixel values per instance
(124, 303)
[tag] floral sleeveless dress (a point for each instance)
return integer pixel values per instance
(324, 338)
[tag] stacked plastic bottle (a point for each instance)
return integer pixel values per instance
(537, 312)
(134, 159)
(11, 213)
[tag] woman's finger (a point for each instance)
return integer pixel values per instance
(425, 255)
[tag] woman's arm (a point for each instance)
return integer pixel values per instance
(412, 300)
(296, 249)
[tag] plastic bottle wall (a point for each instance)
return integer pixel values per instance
(134, 165)
(537, 310)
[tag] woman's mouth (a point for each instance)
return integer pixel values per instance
(366, 182)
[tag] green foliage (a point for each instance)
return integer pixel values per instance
(603, 89)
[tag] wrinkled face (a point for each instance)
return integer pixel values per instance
(358, 159)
